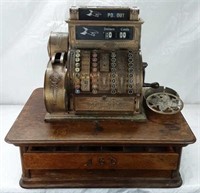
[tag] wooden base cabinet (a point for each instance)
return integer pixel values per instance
(103, 153)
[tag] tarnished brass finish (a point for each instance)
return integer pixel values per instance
(55, 81)
(54, 88)
(98, 69)
(104, 104)
(58, 42)
(55, 76)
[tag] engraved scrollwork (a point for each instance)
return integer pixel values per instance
(54, 78)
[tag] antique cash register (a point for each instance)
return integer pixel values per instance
(96, 70)
(96, 123)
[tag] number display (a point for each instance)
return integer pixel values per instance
(104, 33)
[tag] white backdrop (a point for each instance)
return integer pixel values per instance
(170, 43)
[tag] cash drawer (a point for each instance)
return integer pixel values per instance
(101, 157)
(156, 161)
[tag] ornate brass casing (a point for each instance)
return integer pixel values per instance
(96, 71)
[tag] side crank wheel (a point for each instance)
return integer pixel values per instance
(164, 103)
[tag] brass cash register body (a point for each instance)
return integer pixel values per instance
(96, 70)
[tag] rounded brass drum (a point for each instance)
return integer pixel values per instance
(55, 88)
(58, 42)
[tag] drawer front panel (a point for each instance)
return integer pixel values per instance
(155, 161)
